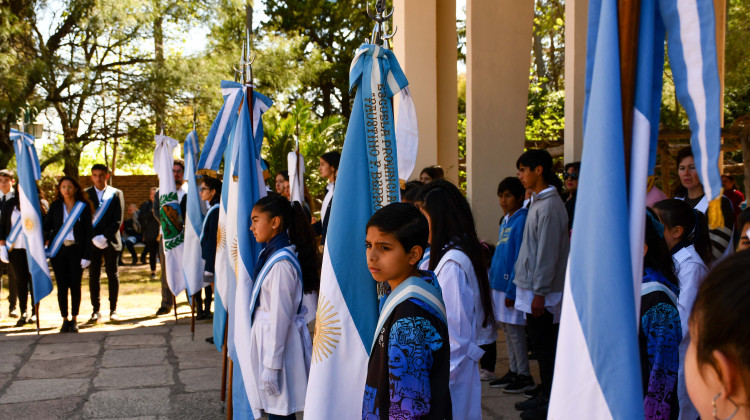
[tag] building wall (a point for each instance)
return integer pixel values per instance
(135, 188)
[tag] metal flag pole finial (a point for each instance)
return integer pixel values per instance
(380, 34)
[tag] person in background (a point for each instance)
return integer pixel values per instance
(6, 193)
(743, 222)
(131, 229)
(540, 270)
(431, 173)
(659, 330)
(570, 176)
(280, 179)
(487, 337)
(719, 212)
(109, 206)
(411, 191)
(732, 193)
(717, 363)
(457, 259)
(502, 273)
(409, 368)
(74, 252)
(150, 230)
(329, 166)
(211, 193)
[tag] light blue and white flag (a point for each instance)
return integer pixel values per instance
(368, 179)
(221, 129)
(170, 214)
(250, 185)
(27, 164)
(192, 257)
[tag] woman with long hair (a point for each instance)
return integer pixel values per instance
(457, 259)
(280, 344)
(67, 229)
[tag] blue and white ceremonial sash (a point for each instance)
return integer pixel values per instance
(109, 194)
(654, 286)
(282, 254)
(15, 230)
(65, 229)
(425, 258)
(413, 287)
(205, 219)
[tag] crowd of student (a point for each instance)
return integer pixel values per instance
(444, 294)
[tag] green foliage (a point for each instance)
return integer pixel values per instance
(737, 61)
(316, 136)
(545, 120)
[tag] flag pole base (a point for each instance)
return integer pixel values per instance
(192, 318)
(37, 318)
(174, 305)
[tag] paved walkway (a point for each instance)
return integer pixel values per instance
(147, 370)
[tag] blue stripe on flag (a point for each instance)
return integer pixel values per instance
(605, 309)
(222, 127)
(220, 321)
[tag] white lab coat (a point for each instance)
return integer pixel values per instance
(463, 307)
(691, 271)
(279, 339)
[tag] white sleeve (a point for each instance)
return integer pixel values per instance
(459, 307)
(691, 277)
(282, 287)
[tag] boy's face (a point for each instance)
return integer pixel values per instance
(744, 240)
(387, 259)
(5, 184)
(509, 202)
(529, 177)
(99, 178)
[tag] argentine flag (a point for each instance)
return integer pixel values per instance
(27, 164)
(368, 178)
(251, 188)
(172, 228)
(221, 129)
(192, 259)
(597, 370)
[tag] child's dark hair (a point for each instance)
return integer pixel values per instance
(452, 226)
(674, 212)
(285, 174)
(332, 158)
(213, 184)
(657, 255)
(720, 313)
(294, 221)
(538, 157)
(742, 219)
(100, 167)
(411, 191)
(513, 185)
(405, 222)
(574, 165)
(434, 172)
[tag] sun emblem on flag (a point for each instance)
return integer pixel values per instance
(234, 251)
(221, 236)
(28, 223)
(327, 330)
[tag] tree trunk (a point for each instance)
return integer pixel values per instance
(71, 157)
(327, 91)
(746, 160)
(6, 147)
(160, 101)
(538, 49)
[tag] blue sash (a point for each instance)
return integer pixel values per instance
(413, 287)
(203, 228)
(109, 194)
(15, 230)
(425, 257)
(654, 286)
(65, 229)
(282, 254)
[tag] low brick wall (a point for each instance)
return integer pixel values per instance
(135, 188)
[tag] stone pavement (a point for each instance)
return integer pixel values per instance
(147, 370)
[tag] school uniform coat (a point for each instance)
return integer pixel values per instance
(279, 339)
(109, 225)
(81, 229)
(463, 307)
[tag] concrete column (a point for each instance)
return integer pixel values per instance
(576, 26)
(425, 46)
(499, 39)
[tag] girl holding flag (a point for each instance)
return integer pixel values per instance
(279, 339)
(67, 228)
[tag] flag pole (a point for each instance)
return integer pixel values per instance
(174, 305)
(229, 396)
(224, 366)
(192, 318)
(37, 318)
(628, 20)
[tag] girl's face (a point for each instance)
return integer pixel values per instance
(263, 226)
(687, 173)
(509, 202)
(326, 170)
(207, 194)
(67, 189)
(425, 178)
(744, 238)
(571, 179)
(280, 184)
(287, 191)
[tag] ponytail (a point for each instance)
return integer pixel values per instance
(295, 223)
(674, 212)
